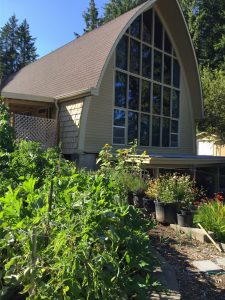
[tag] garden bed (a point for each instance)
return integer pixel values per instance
(180, 250)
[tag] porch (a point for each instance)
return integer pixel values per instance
(34, 121)
(207, 171)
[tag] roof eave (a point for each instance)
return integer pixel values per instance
(19, 96)
(77, 94)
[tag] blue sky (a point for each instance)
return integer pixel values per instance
(52, 22)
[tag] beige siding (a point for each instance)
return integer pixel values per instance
(99, 122)
(69, 120)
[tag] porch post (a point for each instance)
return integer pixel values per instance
(217, 180)
(156, 172)
(194, 172)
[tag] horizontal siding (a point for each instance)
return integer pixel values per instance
(69, 119)
(99, 122)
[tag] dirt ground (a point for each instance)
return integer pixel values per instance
(180, 250)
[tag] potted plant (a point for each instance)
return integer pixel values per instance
(135, 186)
(170, 192)
(149, 204)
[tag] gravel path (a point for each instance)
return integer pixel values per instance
(180, 250)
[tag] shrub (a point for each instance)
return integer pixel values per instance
(67, 234)
(29, 159)
(6, 130)
(172, 188)
(211, 215)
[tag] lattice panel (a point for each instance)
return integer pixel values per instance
(36, 129)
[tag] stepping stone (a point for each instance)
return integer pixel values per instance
(221, 261)
(207, 266)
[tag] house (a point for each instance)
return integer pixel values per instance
(134, 78)
(210, 144)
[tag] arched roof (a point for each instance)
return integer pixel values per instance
(80, 64)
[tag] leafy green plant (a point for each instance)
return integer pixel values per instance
(172, 188)
(134, 183)
(6, 129)
(211, 215)
(68, 235)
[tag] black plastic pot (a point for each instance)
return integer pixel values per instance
(185, 219)
(166, 213)
(149, 205)
(138, 200)
(130, 199)
(135, 199)
(185, 211)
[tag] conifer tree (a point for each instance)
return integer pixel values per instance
(206, 22)
(115, 8)
(16, 47)
(8, 47)
(91, 18)
(26, 45)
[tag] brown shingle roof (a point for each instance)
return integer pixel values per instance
(76, 66)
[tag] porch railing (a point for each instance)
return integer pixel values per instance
(36, 129)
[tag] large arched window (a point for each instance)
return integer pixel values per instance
(147, 86)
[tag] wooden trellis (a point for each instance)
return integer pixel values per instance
(36, 129)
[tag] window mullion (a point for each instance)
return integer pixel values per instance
(138, 84)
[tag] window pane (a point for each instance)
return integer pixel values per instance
(166, 101)
(135, 28)
(121, 53)
(145, 96)
(134, 56)
(155, 131)
(132, 126)
(167, 69)
(158, 32)
(144, 134)
(157, 66)
(156, 105)
(121, 89)
(166, 132)
(176, 74)
(118, 135)
(167, 44)
(133, 102)
(174, 140)
(174, 126)
(119, 117)
(146, 61)
(175, 104)
(147, 27)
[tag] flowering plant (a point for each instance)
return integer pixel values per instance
(172, 188)
(218, 197)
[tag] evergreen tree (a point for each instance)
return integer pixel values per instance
(8, 48)
(91, 17)
(26, 47)
(206, 22)
(115, 8)
(211, 32)
(16, 47)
